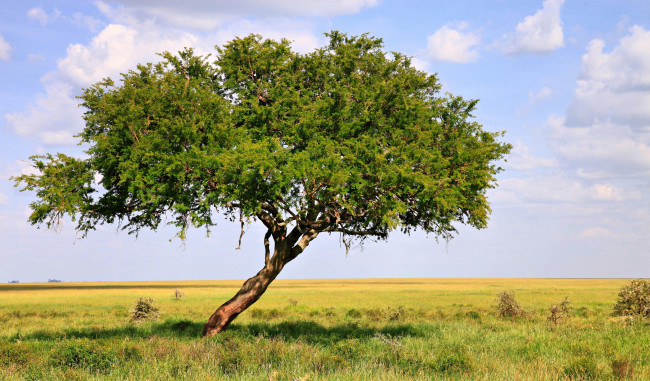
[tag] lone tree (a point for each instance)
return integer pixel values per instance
(346, 139)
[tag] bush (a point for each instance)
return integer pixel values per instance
(144, 309)
(508, 306)
(16, 354)
(634, 299)
(85, 355)
(560, 311)
(178, 294)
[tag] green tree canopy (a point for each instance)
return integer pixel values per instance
(347, 139)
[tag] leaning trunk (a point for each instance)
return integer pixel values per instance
(249, 293)
(252, 289)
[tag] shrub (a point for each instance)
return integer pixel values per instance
(560, 311)
(473, 315)
(454, 359)
(396, 314)
(85, 355)
(144, 309)
(634, 299)
(178, 294)
(508, 306)
(17, 354)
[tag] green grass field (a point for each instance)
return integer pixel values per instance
(370, 329)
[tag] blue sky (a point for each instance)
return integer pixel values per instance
(568, 80)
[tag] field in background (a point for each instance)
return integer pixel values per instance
(322, 329)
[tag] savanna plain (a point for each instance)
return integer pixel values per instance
(366, 329)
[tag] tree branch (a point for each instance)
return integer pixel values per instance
(267, 250)
(309, 236)
(356, 232)
(241, 220)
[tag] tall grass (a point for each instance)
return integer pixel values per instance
(375, 329)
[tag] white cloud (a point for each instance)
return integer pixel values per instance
(600, 150)
(35, 58)
(116, 49)
(419, 63)
(521, 158)
(594, 232)
(43, 17)
(559, 189)
(540, 33)
(54, 117)
(208, 14)
(5, 49)
(87, 22)
(542, 94)
(614, 86)
(295, 31)
(453, 44)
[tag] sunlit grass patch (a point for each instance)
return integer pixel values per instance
(425, 329)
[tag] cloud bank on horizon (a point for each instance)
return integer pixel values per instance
(573, 92)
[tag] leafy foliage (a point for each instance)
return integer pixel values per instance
(634, 299)
(178, 294)
(560, 311)
(508, 306)
(345, 139)
(144, 309)
(87, 355)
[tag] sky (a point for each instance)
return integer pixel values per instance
(568, 80)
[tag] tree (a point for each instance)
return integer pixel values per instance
(346, 139)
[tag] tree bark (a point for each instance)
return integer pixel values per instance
(249, 293)
(253, 288)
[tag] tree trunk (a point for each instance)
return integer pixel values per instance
(249, 293)
(252, 289)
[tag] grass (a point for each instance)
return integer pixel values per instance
(370, 329)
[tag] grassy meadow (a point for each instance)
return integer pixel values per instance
(367, 329)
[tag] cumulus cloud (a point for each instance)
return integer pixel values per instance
(5, 49)
(606, 132)
(118, 48)
(209, 14)
(451, 44)
(43, 17)
(522, 158)
(302, 40)
(35, 58)
(559, 189)
(614, 86)
(54, 116)
(602, 149)
(594, 232)
(541, 95)
(87, 22)
(540, 33)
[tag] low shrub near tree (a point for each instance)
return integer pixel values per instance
(144, 309)
(560, 311)
(634, 299)
(178, 294)
(508, 306)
